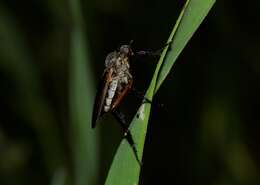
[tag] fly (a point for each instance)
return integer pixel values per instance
(116, 83)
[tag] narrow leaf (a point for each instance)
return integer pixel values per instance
(84, 141)
(125, 169)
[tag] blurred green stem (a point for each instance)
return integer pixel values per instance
(84, 140)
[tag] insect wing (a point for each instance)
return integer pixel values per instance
(100, 96)
(122, 95)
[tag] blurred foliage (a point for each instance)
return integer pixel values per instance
(52, 54)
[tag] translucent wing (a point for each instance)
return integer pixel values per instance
(100, 96)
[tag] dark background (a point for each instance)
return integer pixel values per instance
(207, 132)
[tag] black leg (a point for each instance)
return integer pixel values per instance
(127, 134)
(140, 95)
(148, 53)
(152, 53)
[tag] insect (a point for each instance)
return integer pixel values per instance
(116, 83)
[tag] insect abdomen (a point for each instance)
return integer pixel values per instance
(110, 94)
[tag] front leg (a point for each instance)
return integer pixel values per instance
(152, 53)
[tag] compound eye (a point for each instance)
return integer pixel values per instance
(125, 49)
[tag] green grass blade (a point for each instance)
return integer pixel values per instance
(125, 169)
(191, 17)
(85, 141)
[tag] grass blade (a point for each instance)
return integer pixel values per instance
(125, 169)
(191, 17)
(85, 141)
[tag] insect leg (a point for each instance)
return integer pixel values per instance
(148, 53)
(140, 95)
(153, 53)
(127, 134)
